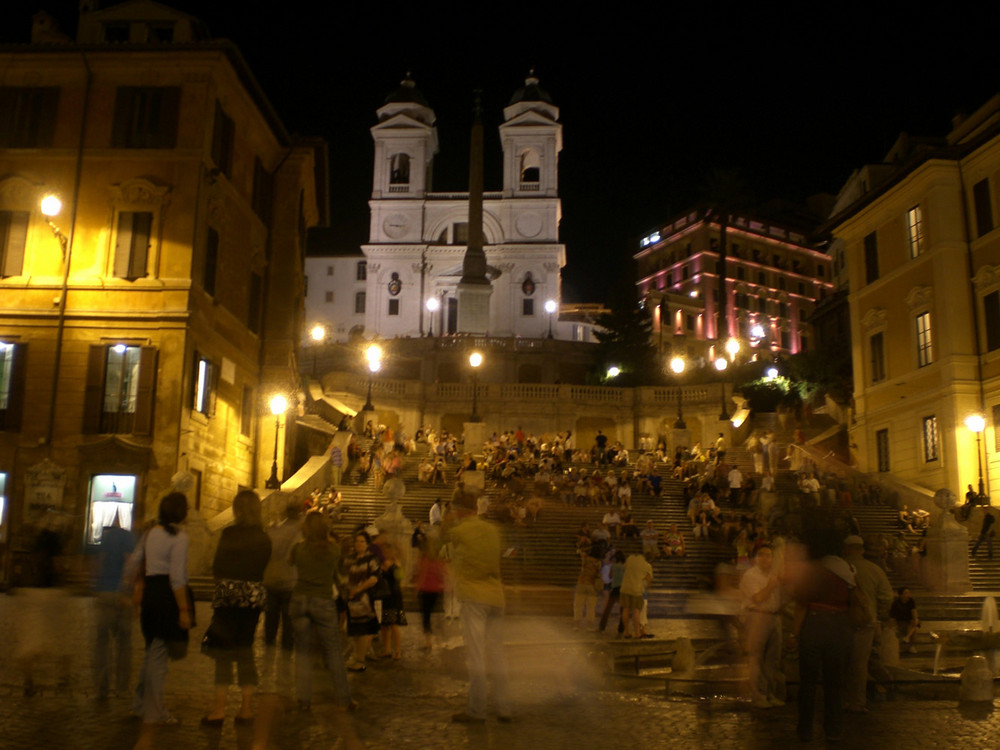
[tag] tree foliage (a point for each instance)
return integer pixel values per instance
(624, 342)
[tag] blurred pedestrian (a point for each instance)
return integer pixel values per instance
(243, 551)
(166, 609)
(279, 576)
(113, 602)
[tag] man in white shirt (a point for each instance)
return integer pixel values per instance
(435, 514)
(736, 485)
(761, 601)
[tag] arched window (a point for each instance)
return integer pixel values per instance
(531, 164)
(399, 171)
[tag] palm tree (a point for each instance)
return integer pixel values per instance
(724, 194)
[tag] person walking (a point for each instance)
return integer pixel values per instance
(986, 533)
(113, 588)
(312, 608)
(475, 557)
(872, 581)
(760, 593)
(165, 609)
(279, 577)
(243, 551)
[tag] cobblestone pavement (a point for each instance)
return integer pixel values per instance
(564, 698)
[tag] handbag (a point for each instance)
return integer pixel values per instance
(216, 638)
(234, 592)
(381, 588)
(360, 608)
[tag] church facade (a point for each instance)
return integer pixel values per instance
(412, 262)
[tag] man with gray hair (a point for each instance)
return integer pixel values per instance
(877, 598)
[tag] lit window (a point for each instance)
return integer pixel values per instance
(930, 439)
(120, 389)
(925, 351)
(12, 376)
(111, 496)
(915, 231)
(204, 385)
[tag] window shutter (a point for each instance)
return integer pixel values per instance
(213, 384)
(142, 224)
(122, 124)
(145, 397)
(123, 250)
(169, 107)
(13, 234)
(11, 418)
(193, 391)
(93, 396)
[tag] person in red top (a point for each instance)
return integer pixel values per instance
(823, 630)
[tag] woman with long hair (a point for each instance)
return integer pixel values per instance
(243, 551)
(362, 575)
(317, 561)
(165, 608)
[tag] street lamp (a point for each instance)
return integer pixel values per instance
(677, 365)
(732, 349)
(721, 364)
(475, 360)
(977, 424)
(278, 405)
(614, 371)
(374, 356)
(432, 307)
(318, 333)
(550, 308)
(51, 206)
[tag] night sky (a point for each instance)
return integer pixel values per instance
(793, 98)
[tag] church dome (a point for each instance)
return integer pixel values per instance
(407, 93)
(531, 91)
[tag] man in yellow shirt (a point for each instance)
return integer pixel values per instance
(475, 564)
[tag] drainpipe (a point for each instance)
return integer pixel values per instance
(975, 308)
(61, 321)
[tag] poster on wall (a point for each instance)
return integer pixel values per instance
(44, 488)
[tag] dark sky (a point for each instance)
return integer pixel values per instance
(793, 97)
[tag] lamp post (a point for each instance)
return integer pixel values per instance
(475, 360)
(677, 365)
(374, 356)
(613, 372)
(550, 308)
(977, 424)
(432, 306)
(721, 364)
(318, 334)
(277, 405)
(51, 206)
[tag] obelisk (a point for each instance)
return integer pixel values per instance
(474, 289)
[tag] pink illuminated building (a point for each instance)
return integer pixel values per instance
(773, 280)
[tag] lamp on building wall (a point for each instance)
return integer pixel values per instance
(732, 349)
(977, 424)
(318, 335)
(432, 306)
(475, 361)
(374, 356)
(51, 206)
(278, 405)
(550, 308)
(677, 365)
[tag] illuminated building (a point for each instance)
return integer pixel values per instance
(920, 233)
(774, 278)
(144, 326)
(418, 237)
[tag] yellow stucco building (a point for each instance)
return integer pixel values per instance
(923, 258)
(144, 326)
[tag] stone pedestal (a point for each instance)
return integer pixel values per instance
(474, 436)
(946, 566)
